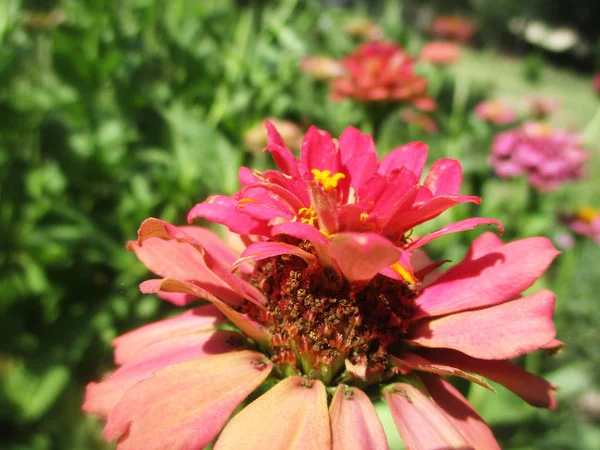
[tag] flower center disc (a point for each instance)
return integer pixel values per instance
(320, 323)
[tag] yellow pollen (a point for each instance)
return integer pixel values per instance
(587, 214)
(325, 179)
(405, 274)
(308, 215)
(363, 216)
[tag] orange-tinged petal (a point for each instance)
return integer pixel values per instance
(290, 416)
(198, 319)
(184, 406)
(422, 425)
(500, 332)
(100, 398)
(354, 421)
(460, 412)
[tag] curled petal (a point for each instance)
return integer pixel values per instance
(354, 421)
(203, 318)
(485, 279)
(500, 332)
(533, 389)
(463, 225)
(262, 250)
(184, 406)
(282, 155)
(248, 327)
(307, 232)
(324, 207)
(292, 415)
(422, 425)
(460, 412)
(360, 256)
(412, 156)
(100, 398)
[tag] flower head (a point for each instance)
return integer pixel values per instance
(586, 222)
(455, 28)
(548, 157)
(321, 67)
(363, 28)
(542, 107)
(440, 52)
(420, 120)
(381, 71)
(496, 112)
(330, 297)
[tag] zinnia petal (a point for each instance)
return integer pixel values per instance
(184, 406)
(292, 415)
(500, 332)
(354, 421)
(444, 177)
(489, 279)
(460, 412)
(412, 156)
(422, 425)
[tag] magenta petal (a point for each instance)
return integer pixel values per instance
(533, 389)
(484, 244)
(411, 156)
(305, 231)
(102, 397)
(319, 152)
(282, 155)
(444, 177)
(489, 279)
(498, 332)
(248, 327)
(262, 250)
(155, 228)
(361, 168)
(212, 242)
(460, 412)
(222, 209)
(354, 421)
(129, 344)
(463, 225)
(184, 406)
(353, 143)
(360, 256)
(290, 416)
(422, 425)
(325, 208)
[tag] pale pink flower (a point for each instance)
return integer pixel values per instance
(330, 296)
(586, 222)
(255, 138)
(379, 72)
(548, 157)
(496, 112)
(363, 28)
(321, 67)
(440, 52)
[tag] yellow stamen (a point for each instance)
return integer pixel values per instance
(405, 274)
(587, 214)
(325, 179)
(308, 215)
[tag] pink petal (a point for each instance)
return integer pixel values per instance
(463, 225)
(184, 406)
(409, 362)
(271, 197)
(411, 156)
(305, 231)
(247, 326)
(444, 177)
(360, 168)
(155, 228)
(324, 206)
(489, 279)
(290, 416)
(212, 242)
(101, 397)
(422, 425)
(533, 389)
(282, 155)
(354, 143)
(222, 209)
(498, 332)
(319, 152)
(460, 412)
(354, 421)
(484, 244)
(360, 256)
(129, 344)
(269, 249)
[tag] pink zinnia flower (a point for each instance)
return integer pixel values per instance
(440, 53)
(496, 112)
(542, 107)
(586, 222)
(453, 27)
(382, 71)
(548, 157)
(596, 82)
(331, 297)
